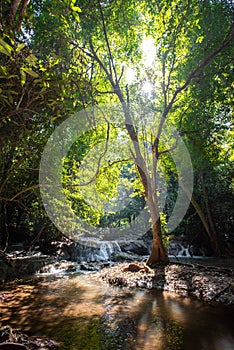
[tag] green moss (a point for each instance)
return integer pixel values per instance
(174, 335)
(83, 334)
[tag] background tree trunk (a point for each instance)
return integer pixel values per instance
(213, 237)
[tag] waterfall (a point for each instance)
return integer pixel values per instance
(184, 252)
(94, 250)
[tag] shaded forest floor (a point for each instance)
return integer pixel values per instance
(209, 284)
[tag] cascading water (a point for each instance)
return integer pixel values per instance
(94, 250)
(184, 252)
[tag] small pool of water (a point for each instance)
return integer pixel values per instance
(83, 314)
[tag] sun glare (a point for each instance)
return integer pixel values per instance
(148, 56)
(130, 75)
(149, 51)
(147, 88)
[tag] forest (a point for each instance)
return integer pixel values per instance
(172, 60)
(116, 126)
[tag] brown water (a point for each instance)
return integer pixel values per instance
(84, 314)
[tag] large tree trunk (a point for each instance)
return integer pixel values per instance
(158, 252)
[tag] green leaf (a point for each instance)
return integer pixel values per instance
(30, 72)
(20, 47)
(200, 39)
(23, 77)
(3, 69)
(5, 48)
(76, 8)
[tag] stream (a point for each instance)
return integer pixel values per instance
(81, 313)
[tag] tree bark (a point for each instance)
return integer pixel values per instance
(14, 7)
(158, 252)
(214, 241)
(21, 15)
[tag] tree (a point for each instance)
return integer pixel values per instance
(182, 59)
(36, 94)
(71, 54)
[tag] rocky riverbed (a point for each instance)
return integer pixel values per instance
(205, 283)
(209, 284)
(14, 339)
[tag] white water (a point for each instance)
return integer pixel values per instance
(96, 250)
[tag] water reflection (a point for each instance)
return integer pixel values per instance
(83, 314)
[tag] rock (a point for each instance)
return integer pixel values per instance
(65, 250)
(12, 346)
(182, 245)
(136, 268)
(132, 268)
(123, 256)
(136, 247)
(21, 341)
(5, 333)
(71, 268)
(105, 264)
(208, 284)
(89, 266)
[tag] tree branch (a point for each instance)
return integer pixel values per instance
(99, 160)
(192, 75)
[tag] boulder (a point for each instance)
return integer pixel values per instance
(123, 256)
(136, 247)
(89, 266)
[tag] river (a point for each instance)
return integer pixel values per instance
(83, 314)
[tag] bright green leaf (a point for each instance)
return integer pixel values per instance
(20, 47)
(200, 39)
(30, 72)
(5, 48)
(23, 77)
(4, 51)
(76, 9)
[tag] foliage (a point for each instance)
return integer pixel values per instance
(58, 57)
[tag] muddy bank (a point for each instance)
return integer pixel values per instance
(208, 284)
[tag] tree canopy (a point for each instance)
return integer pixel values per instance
(168, 67)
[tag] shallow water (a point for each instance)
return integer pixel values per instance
(84, 314)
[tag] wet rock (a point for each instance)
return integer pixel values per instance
(5, 334)
(123, 256)
(65, 250)
(23, 266)
(136, 247)
(205, 283)
(89, 266)
(13, 339)
(20, 341)
(136, 267)
(181, 246)
(12, 346)
(132, 268)
(59, 267)
(105, 264)
(71, 268)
